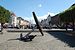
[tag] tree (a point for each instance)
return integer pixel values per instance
(68, 15)
(4, 16)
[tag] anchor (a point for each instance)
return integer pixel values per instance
(28, 36)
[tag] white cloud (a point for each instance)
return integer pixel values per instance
(26, 18)
(31, 19)
(40, 5)
(51, 14)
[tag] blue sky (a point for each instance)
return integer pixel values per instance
(24, 8)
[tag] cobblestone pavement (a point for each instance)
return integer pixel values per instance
(9, 41)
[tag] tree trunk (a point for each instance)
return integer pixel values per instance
(1, 27)
(73, 25)
(66, 26)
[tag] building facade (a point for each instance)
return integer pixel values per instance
(46, 22)
(22, 23)
(55, 20)
(13, 20)
(18, 21)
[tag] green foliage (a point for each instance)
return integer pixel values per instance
(68, 15)
(4, 15)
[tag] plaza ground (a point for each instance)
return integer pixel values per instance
(50, 41)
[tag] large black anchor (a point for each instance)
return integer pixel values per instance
(28, 36)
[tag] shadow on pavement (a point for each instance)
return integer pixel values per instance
(70, 40)
(19, 40)
(1, 33)
(25, 38)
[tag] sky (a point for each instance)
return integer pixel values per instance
(42, 8)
